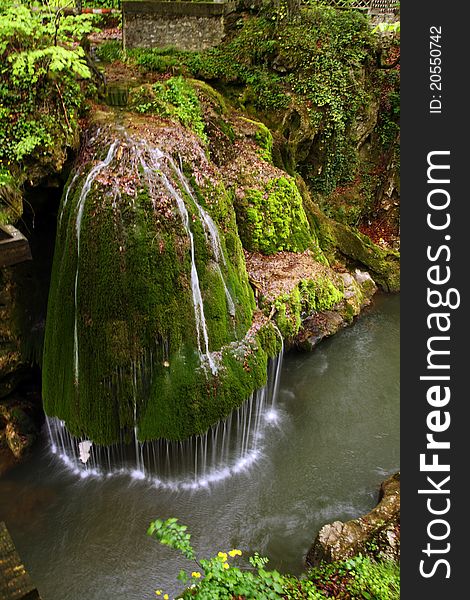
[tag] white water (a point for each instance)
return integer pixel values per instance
(210, 231)
(78, 227)
(156, 157)
(230, 447)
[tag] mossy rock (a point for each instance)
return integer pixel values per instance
(273, 219)
(123, 346)
(344, 244)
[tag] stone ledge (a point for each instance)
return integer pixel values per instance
(178, 9)
(14, 247)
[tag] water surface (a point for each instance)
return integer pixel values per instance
(336, 439)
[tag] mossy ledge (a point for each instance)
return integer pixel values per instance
(123, 346)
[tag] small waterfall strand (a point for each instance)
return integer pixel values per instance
(78, 226)
(210, 231)
(201, 326)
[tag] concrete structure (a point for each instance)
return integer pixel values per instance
(182, 25)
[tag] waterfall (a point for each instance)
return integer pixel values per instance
(78, 226)
(210, 231)
(229, 447)
(201, 326)
(151, 171)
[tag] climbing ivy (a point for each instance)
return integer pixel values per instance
(317, 59)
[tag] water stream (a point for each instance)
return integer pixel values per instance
(333, 437)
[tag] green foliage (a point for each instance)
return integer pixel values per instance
(40, 95)
(310, 295)
(174, 98)
(170, 533)
(321, 60)
(110, 51)
(357, 578)
(11, 206)
(387, 28)
(159, 60)
(316, 59)
(273, 219)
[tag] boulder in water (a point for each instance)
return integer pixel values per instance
(376, 534)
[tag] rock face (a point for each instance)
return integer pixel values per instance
(20, 420)
(11, 363)
(377, 534)
(358, 289)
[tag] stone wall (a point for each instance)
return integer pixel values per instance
(183, 25)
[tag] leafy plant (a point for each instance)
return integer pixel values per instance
(357, 578)
(174, 98)
(42, 64)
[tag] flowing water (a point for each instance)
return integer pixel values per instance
(332, 437)
(228, 448)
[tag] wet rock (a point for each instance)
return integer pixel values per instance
(376, 534)
(19, 427)
(359, 287)
(11, 364)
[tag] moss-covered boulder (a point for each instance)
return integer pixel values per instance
(150, 310)
(357, 290)
(346, 246)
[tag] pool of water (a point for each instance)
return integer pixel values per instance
(335, 439)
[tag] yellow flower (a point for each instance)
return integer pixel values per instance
(223, 556)
(233, 553)
(226, 565)
(196, 574)
(158, 592)
(166, 597)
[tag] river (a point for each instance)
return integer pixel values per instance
(336, 437)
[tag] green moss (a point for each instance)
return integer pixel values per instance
(175, 98)
(135, 322)
(273, 219)
(270, 339)
(263, 138)
(209, 94)
(308, 296)
(343, 244)
(187, 401)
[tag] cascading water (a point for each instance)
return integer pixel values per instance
(133, 177)
(210, 231)
(229, 447)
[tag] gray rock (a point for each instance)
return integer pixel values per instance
(376, 534)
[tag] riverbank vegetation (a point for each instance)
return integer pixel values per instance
(228, 576)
